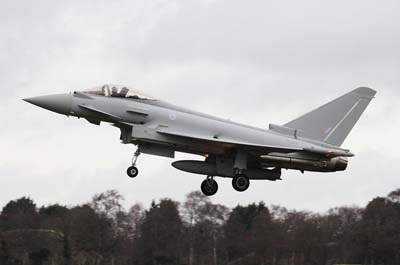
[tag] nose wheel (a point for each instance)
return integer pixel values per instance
(209, 186)
(132, 171)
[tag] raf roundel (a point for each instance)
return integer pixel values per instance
(172, 116)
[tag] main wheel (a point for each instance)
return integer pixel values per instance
(240, 182)
(209, 187)
(132, 171)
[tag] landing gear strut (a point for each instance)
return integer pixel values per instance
(240, 181)
(209, 186)
(132, 171)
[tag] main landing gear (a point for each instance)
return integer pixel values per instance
(132, 171)
(209, 186)
(240, 182)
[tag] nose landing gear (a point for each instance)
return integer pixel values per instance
(132, 171)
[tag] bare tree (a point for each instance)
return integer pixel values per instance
(192, 210)
(216, 214)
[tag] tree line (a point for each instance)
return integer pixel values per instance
(197, 232)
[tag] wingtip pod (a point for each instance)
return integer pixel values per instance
(365, 92)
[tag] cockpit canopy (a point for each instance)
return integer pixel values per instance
(118, 91)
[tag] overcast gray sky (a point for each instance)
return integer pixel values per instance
(256, 62)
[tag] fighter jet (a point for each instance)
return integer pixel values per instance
(228, 149)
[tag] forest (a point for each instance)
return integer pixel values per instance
(197, 232)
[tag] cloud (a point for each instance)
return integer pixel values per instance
(272, 34)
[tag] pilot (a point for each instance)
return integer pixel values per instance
(114, 92)
(124, 91)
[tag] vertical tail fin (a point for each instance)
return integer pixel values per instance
(332, 122)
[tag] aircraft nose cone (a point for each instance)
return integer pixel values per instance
(60, 103)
